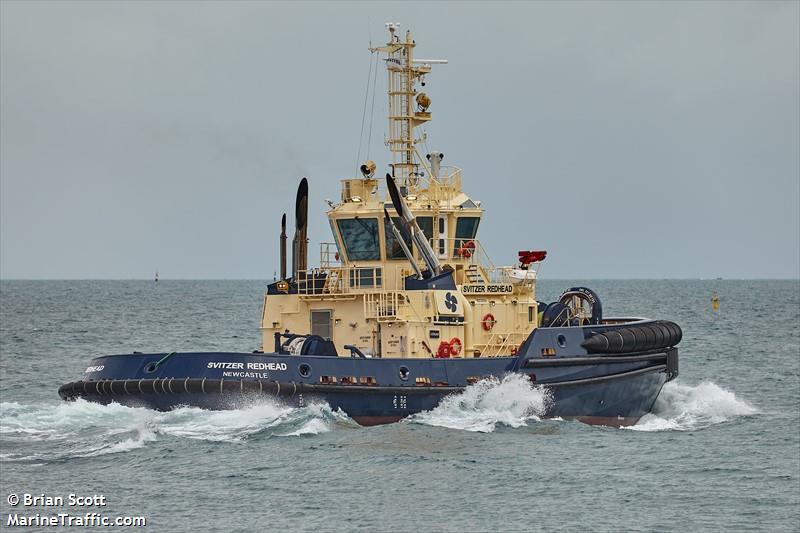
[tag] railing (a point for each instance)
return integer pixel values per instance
(442, 187)
(503, 275)
(469, 252)
(478, 260)
(446, 184)
(339, 280)
(501, 344)
(468, 249)
(382, 306)
(329, 255)
(401, 273)
(332, 278)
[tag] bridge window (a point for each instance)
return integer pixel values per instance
(360, 238)
(426, 225)
(336, 239)
(466, 229)
(393, 249)
(366, 277)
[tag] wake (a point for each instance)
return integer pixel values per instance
(512, 402)
(86, 429)
(44, 433)
(689, 407)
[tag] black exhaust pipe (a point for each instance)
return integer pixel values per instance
(283, 247)
(300, 242)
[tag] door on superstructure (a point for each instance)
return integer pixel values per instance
(376, 340)
(441, 242)
(322, 323)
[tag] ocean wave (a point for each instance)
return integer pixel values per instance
(86, 429)
(689, 407)
(512, 401)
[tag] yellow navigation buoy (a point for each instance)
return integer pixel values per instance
(715, 302)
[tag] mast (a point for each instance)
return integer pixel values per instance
(408, 109)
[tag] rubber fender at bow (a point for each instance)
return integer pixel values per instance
(640, 338)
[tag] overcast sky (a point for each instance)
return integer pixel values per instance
(630, 139)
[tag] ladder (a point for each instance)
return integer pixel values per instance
(472, 274)
(332, 282)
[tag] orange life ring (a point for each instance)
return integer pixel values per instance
(455, 346)
(467, 249)
(444, 350)
(488, 322)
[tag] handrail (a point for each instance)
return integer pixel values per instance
(492, 348)
(427, 186)
(339, 280)
(329, 255)
(334, 278)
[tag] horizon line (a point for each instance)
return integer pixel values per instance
(160, 279)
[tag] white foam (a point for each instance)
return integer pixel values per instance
(44, 422)
(85, 429)
(686, 407)
(318, 418)
(141, 439)
(512, 401)
(223, 426)
(315, 426)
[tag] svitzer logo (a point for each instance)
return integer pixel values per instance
(451, 302)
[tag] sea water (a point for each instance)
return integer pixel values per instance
(720, 451)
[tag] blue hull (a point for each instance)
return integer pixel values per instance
(613, 389)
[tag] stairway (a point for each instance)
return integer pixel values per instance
(472, 274)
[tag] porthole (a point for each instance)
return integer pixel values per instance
(304, 370)
(562, 341)
(404, 373)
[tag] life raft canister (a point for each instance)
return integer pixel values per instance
(455, 346)
(488, 322)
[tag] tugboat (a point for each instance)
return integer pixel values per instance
(406, 308)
